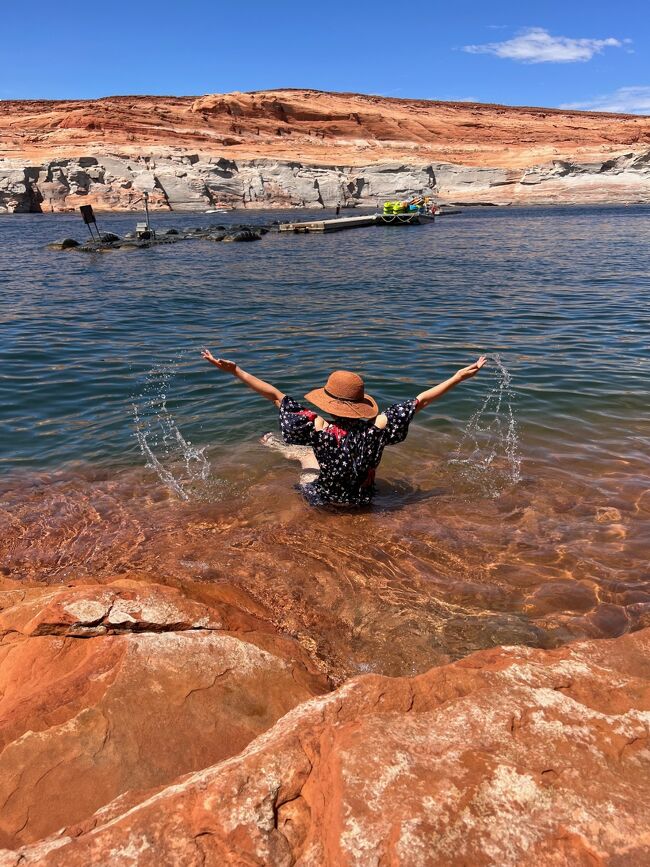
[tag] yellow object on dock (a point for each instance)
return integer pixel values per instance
(335, 225)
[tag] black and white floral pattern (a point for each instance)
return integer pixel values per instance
(348, 451)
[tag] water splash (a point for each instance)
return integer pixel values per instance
(182, 467)
(488, 455)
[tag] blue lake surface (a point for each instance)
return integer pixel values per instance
(562, 294)
(517, 511)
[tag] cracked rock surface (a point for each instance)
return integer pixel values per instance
(509, 757)
(120, 688)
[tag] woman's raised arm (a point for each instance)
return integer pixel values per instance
(431, 394)
(265, 389)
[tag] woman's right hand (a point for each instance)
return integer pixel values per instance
(221, 363)
(467, 372)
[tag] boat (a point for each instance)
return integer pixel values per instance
(407, 219)
(414, 210)
(216, 211)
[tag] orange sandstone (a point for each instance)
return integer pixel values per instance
(317, 127)
(512, 756)
(311, 149)
(112, 689)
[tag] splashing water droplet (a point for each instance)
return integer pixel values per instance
(488, 456)
(182, 467)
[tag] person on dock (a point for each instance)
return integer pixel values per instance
(339, 457)
(338, 208)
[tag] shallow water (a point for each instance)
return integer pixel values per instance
(122, 452)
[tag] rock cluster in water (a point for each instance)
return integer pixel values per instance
(109, 241)
(307, 148)
(140, 725)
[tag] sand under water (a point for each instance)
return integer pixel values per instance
(518, 510)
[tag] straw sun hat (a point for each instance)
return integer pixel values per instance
(344, 396)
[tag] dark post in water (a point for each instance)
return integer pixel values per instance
(90, 220)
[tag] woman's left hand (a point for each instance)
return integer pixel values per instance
(472, 369)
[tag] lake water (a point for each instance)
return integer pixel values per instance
(123, 453)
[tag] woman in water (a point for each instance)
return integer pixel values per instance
(339, 457)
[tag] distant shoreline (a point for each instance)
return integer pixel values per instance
(481, 206)
(305, 148)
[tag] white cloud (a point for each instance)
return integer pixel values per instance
(625, 100)
(536, 45)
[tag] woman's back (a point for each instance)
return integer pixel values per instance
(348, 451)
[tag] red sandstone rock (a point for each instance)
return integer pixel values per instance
(308, 148)
(106, 690)
(510, 757)
(316, 127)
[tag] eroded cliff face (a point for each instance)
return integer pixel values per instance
(311, 149)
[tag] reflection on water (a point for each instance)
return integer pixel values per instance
(124, 453)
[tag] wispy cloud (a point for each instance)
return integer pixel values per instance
(537, 45)
(625, 100)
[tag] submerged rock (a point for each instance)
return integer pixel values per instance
(64, 244)
(510, 757)
(243, 235)
(110, 241)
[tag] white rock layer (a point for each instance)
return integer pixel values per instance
(195, 182)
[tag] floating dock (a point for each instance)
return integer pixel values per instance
(335, 225)
(339, 223)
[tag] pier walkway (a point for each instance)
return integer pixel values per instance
(334, 225)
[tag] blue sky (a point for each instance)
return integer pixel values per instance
(582, 55)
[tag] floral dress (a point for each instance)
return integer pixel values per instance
(348, 455)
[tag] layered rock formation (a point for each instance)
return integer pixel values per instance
(306, 148)
(511, 756)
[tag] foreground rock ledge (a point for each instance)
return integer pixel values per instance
(112, 689)
(512, 757)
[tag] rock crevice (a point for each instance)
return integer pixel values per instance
(159, 688)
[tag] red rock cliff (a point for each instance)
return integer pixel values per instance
(315, 127)
(308, 148)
